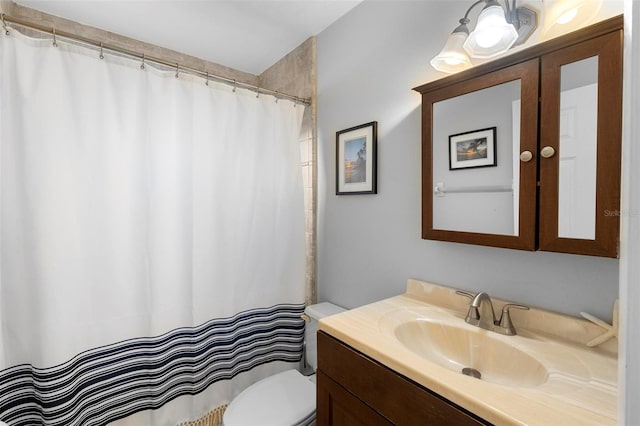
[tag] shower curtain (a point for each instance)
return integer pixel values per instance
(151, 238)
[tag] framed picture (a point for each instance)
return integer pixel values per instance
(356, 161)
(473, 149)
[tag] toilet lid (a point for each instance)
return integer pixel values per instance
(285, 398)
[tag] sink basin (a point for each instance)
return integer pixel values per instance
(471, 350)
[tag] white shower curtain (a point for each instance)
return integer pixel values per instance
(149, 225)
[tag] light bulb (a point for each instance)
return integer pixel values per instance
(562, 16)
(567, 16)
(454, 61)
(489, 37)
(493, 35)
(452, 58)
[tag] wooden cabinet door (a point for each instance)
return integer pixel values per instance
(354, 389)
(337, 407)
(473, 209)
(580, 181)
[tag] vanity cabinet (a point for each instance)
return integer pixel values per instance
(353, 389)
(524, 152)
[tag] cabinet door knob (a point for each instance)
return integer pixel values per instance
(547, 152)
(526, 156)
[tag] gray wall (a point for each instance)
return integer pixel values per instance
(368, 245)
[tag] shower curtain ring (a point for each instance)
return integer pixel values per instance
(257, 92)
(177, 70)
(4, 24)
(235, 85)
(55, 42)
(276, 96)
(206, 82)
(142, 64)
(101, 51)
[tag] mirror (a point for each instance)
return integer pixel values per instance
(580, 146)
(475, 188)
(476, 167)
(578, 149)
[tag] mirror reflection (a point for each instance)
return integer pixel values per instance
(476, 146)
(578, 143)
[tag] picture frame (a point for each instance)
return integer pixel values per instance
(356, 159)
(473, 149)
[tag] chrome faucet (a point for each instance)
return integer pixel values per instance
(503, 325)
(474, 307)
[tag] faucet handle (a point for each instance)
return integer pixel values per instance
(465, 294)
(505, 308)
(505, 323)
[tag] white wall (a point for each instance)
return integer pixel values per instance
(370, 244)
(630, 221)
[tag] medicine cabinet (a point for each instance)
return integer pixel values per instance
(524, 152)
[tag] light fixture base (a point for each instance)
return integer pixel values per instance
(526, 23)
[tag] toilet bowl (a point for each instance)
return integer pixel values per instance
(287, 398)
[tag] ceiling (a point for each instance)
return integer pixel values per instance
(248, 35)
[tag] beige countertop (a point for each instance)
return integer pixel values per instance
(580, 387)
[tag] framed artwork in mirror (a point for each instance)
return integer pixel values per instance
(356, 159)
(473, 149)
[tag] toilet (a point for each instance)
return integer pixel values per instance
(287, 398)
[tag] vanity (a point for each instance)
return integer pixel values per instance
(400, 361)
(524, 152)
(354, 389)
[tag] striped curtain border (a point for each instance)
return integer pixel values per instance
(114, 381)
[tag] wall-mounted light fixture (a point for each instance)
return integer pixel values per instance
(562, 16)
(498, 28)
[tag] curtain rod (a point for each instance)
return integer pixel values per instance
(144, 58)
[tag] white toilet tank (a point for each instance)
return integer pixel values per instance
(315, 313)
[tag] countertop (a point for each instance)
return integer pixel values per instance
(581, 387)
